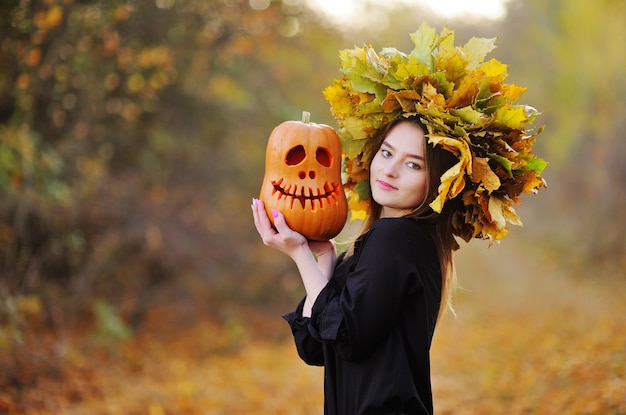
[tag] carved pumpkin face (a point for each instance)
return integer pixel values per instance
(303, 178)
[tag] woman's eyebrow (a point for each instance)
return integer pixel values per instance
(392, 148)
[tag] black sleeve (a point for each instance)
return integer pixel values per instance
(356, 317)
(309, 349)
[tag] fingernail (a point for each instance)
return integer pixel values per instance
(253, 202)
(274, 213)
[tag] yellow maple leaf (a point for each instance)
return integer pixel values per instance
(466, 92)
(495, 70)
(356, 127)
(452, 62)
(339, 99)
(406, 69)
(453, 180)
(512, 92)
(358, 207)
(511, 116)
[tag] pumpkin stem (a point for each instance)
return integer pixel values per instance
(306, 117)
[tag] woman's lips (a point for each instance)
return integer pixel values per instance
(385, 186)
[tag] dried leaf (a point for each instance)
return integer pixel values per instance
(482, 173)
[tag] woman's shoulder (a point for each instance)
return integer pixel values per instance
(401, 230)
(400, 225)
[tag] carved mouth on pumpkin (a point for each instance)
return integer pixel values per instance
(303, 193)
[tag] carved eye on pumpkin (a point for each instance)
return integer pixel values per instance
(302, 181)
(297, 155)
(323, 157)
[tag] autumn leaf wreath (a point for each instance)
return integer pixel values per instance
(467, 109)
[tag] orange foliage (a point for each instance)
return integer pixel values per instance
(205, 368)
(541, 346)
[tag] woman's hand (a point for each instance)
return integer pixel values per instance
(315, 260)
(282, 237)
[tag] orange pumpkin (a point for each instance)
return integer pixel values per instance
(303, 178)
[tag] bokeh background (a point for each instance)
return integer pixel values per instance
(132, 139)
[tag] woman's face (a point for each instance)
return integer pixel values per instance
(398, 173)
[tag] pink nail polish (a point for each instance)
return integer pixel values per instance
(274, 213)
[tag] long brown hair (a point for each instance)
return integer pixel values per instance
(439, 225)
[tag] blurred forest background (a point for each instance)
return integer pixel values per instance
(132, 139)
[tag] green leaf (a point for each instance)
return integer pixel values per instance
(476, 49)
(537, 164)
(425, 40)
(485, 98)
(363, 189)
(502, 161)
(355, 64)
(351, 148)
(468, 114)
(361, 84)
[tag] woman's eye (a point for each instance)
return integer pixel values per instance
(385, 153)
(413, 165)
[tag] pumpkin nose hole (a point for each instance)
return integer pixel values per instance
(323, 157)
(295, 155)
(301, 175)
(312, 174)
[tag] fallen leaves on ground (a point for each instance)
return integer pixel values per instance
(544, 344)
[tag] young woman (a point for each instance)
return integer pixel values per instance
(369, 315)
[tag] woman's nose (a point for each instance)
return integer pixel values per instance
(390, 170)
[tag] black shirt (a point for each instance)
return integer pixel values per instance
(372, 325)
